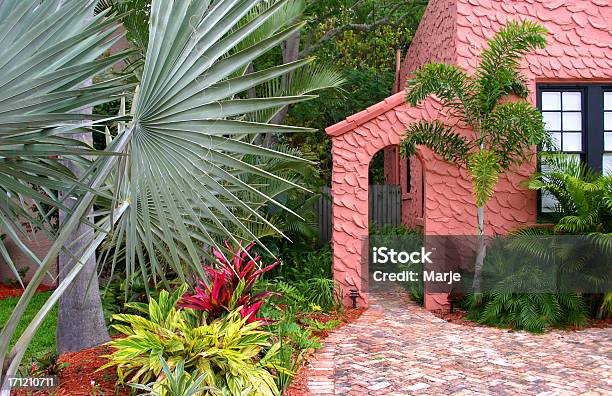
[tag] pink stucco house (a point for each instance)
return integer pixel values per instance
(570, 81)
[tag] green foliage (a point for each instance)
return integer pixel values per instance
(583, 198)
(417, 295)
(582, 208)
(44, 340)
(503, 133)
(134, 16)
(322, 292)
(533, 312)
(449, 83)
(300, 263)
(295, 342)
(484, 168)
(497, 75)
(313, 294)
(228, 350)
(47, 364)
(391, 230)
(299, 223)
(364, 34)
(361, 89)
(442, 139)
(119, 291)
(176, 382)
(317, 325)
(529, 280)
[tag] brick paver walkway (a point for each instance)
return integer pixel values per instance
(398, 348)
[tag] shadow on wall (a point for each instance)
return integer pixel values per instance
(39, 244)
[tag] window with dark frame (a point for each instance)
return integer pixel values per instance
(579, 120)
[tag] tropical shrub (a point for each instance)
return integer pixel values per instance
(315, 294)
(582, 206)
(301, 262)
(583, 199)
(534, 312)
(234, 355)
(522, 288)
(228, 286)
(176, 382)
(321, 292)
(295, 342)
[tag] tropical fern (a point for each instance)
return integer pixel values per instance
(533, 312)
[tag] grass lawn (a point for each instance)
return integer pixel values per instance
(44, 340)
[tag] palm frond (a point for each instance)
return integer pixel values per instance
(189, 177)
(441, 139)
(451, 84)
(307, 80)
(46, 57)
(484, 167)
(497, 74)
(511, 129)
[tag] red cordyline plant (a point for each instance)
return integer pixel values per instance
(228, 286)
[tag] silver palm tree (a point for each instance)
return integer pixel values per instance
(171, 180)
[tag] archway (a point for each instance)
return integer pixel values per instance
(447, 203)
(354, 143)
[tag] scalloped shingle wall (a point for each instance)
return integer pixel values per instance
(579, 50)
(435, 39)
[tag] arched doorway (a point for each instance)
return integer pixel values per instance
(354, 144)
(442, 203)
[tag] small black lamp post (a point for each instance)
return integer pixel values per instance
(354, 294)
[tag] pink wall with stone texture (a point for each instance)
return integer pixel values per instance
(579, 51)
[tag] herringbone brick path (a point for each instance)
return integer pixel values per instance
(398, 348)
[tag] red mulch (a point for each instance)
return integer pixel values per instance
(7, 290)
(457, 317)
(593, 323)
(76, 379)
(299, 385)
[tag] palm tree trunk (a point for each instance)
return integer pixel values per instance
(80, 321)
(481, 252)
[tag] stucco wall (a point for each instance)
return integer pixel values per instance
(435, 39)
(39, 244)
(456, 31)
(579, 50)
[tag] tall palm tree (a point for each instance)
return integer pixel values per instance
(504, 132)
(172, 177)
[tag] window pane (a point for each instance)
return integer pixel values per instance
(607, 141)
(549, 203)
(607, 100)
(551, 100)
(608, 121)
(607, 164)
(572, 121)
(556, 139)
(572, 101)
(572, 141)
(552, 121)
